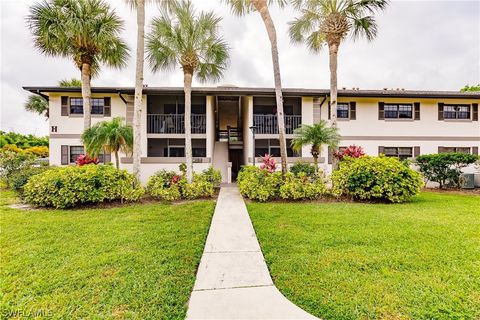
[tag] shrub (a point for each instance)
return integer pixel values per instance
(444, 168)
(376, 178)
(11, 162)
(38, 151)
(303, 167)
(213, 176)
(259, 184)
(164, 185)
(73, 185)
(302, 187)
(352, 151)
(169, 186)
(19, 178)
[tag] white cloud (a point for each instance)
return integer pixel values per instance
(421, 45)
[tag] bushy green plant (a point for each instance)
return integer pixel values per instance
(11, 162)
(259, 184)
(213, 176)
(169, 186)
(70, 186)
(164, 185)
(376, 178)
(19, 178)
(302, 187)
(302, 167)
(444, 168)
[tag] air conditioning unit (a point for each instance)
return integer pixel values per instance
(467, 181)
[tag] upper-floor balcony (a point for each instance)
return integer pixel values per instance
(268, 123)
(175, 123)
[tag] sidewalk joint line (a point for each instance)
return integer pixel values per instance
(238, 287)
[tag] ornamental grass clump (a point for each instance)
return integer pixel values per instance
(70, 186)
(376, 178)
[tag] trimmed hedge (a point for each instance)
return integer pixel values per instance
(261, 185)
(70, 186)
(376, 178)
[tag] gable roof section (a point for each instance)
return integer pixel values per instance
(287, 92)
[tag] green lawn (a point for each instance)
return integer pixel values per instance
(138, 261)
(419, 260)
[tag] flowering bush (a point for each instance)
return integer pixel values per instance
(352, 151)
(268, 163)
(84, 159)
(39, 151)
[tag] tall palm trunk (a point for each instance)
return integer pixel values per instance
(137, 115)
(86, 95)
(187, 87)
(117, 160)
(333, 57)
(262, 7)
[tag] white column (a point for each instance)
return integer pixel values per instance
(307, 118)
(210, 114)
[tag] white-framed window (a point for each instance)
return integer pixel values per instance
(272, 147)
(456, 111)
(76, 105)
(343, 110)
(398, 111)
(75, 151)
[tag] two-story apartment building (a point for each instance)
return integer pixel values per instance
(231, 125)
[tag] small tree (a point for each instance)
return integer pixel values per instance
(315, 135)
(444, 168)
(192, 41)
(110, 136)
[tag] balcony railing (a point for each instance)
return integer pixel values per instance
(175, 123)
(267, 123)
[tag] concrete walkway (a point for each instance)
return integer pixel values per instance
(233, 281)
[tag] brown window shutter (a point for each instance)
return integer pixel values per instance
(416, 151)
(107, 157)
(474, 111)
(417, 110)
(329, 110)
(107, 107)
(475, 150)
(440, 111)
(381, 110)
(441, 149)
(353, 110)
(65, 106)
(64, 154)
(330, 155)
(380, 149)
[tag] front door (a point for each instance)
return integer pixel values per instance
(235, 156)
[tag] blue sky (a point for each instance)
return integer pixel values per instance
(433, 45)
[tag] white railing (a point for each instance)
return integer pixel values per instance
(267, 123)
(175, 123)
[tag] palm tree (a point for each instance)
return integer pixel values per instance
(70, 83)
(139, 6)
(315, 135)
(39, 104)
(242, 7)
(329, 22)
(86, 31)
(192, 41)
(109, 136)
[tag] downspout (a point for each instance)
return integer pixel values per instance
(121, 97)
(44, 96)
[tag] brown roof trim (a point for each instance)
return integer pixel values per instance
(287, 92)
